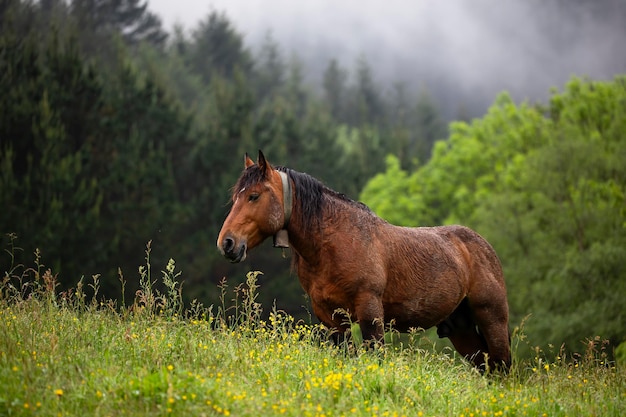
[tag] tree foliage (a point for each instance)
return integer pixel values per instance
(130, 19)
(217, 49)
(85, 166)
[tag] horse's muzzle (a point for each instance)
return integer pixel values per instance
(231, 251)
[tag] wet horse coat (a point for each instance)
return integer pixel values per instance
(349, 259)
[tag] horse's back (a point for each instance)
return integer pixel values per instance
(459, 246)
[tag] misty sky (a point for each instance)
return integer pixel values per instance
(460, 49)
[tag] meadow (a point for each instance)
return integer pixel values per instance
(65, 353)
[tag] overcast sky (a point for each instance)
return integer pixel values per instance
(466, 47)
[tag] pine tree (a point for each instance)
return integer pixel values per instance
(217, 49)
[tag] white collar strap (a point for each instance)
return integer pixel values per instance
(281, 238)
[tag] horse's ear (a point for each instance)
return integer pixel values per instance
(248, 162)
(263, 164)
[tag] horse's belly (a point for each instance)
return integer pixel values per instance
(416, 314)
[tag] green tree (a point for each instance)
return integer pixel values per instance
(139, 154)
(390, 195)
(269, 69)
(46, 188)
(335, 89)
(131, 19)
(89, 168)
(429, 127)
(412, 127)
(365, 100)
(217, 49)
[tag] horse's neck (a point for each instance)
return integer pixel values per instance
(306, 235)
(309, 241)
(305, 242)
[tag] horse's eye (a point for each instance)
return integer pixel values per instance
(253, 197)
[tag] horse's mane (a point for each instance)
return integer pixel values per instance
(310, 192)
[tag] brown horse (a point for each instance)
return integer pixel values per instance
(348, 259)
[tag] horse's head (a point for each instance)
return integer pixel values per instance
(258, 210)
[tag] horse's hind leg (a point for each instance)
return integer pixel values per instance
(461, 329)
(472, 346)
(492, 320)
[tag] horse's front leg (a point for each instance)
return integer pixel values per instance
(339, 336)
(370, 315)
(337, 321)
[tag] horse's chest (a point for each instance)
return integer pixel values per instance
(326, 296)
(331, 308)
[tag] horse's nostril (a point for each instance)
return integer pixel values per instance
(228, 244)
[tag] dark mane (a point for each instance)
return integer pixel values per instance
(311, 192)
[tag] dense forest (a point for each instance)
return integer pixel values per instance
(115, 133)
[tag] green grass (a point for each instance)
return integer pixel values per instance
(61, 354)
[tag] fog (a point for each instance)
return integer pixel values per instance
(464, 52)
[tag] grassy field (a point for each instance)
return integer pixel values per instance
(66, 354)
